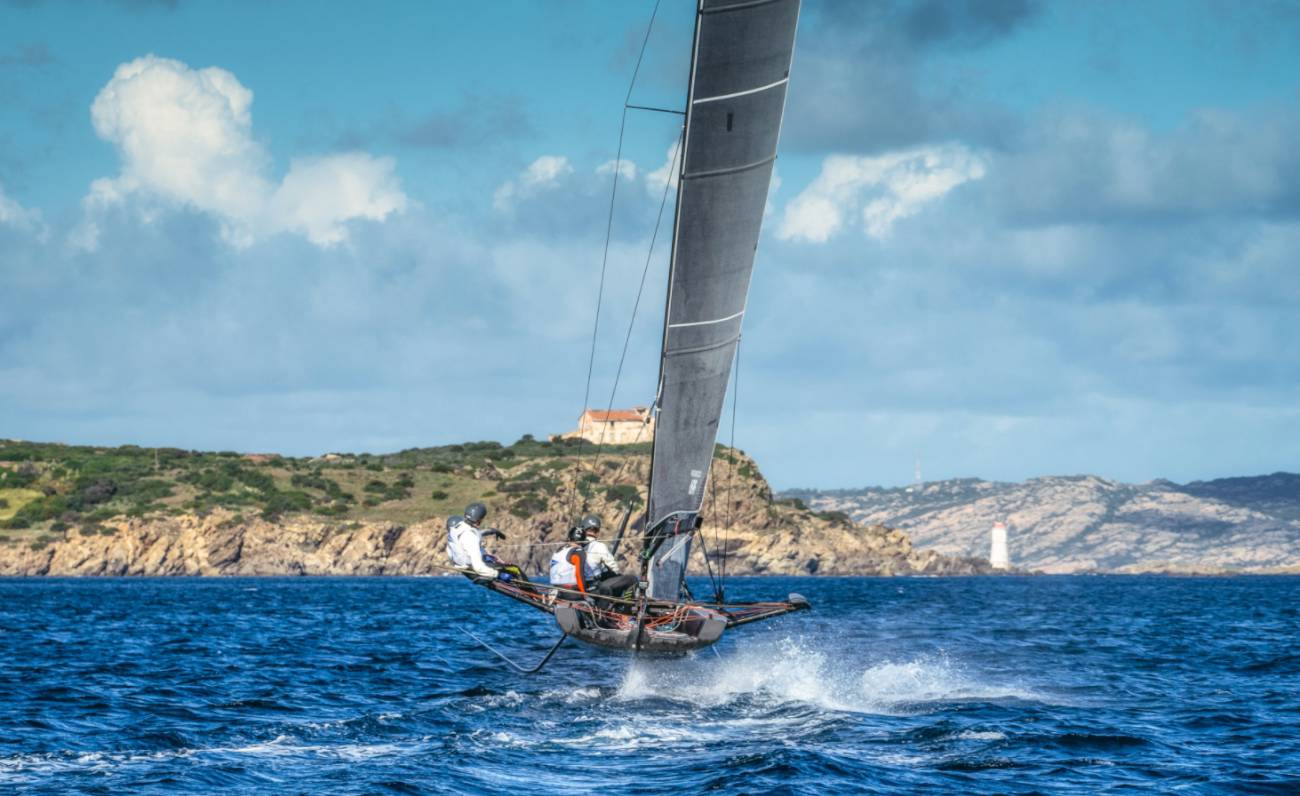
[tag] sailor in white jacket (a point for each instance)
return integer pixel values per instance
(602, 575)
(465, 546)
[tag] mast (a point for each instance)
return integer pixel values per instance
(740, 68)
(672, 260)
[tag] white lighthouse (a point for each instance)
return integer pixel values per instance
(998, 548)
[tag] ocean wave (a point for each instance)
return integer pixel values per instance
(952, 687)
(20, 768)
(980, 735)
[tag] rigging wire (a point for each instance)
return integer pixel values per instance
(627, 339)
(609, 223)
(708, 565)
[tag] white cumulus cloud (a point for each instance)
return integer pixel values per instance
(543, 173)
(626, 169)
(669, 172)
(877, 191)
(319, 194)
(185, 136)
(15, 214)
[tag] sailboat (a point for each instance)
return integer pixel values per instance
(740, 69)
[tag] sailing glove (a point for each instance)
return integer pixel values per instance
(505, 576)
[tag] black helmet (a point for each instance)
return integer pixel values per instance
(590, 523)
(474, 513)
(577, 534)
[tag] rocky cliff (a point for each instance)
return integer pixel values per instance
(753, 533)
(1086, 523)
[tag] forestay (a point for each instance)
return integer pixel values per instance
(739, 72)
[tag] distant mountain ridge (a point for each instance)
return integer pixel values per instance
(1087, 523)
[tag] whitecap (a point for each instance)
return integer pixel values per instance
(980, 735)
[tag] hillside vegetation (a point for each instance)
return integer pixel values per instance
(50, 488)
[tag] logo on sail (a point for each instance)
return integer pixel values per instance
(696, 475)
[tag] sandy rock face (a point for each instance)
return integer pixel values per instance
(1084, 523)
(218, 544)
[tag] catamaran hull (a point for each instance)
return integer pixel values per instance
(696, 632)
(660, 629)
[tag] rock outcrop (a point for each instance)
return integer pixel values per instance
(1085, 523)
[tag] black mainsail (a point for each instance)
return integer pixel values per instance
(739, 72)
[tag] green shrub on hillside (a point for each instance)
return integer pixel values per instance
(312, 480)
(624, 493)
(382, 491)
(42, 509)
(147, 490)
(259, 481)
(528, 506)
(517, 487)
(19, 478)
(278, 503)
(98, 490)
(837, 518)
(210, 479)
(18, 452)
(142, 509)
(315, 480)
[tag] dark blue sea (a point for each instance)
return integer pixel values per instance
(976, 685)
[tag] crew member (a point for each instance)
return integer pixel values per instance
(569, 564)
(602, 567)
(465, 547)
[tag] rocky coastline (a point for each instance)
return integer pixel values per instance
(532, 501)
(221, 544)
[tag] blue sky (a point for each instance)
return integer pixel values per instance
(1010, 238)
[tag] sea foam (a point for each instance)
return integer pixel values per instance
(792, 670)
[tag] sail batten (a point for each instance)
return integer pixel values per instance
(740, 73)
(735, 94)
